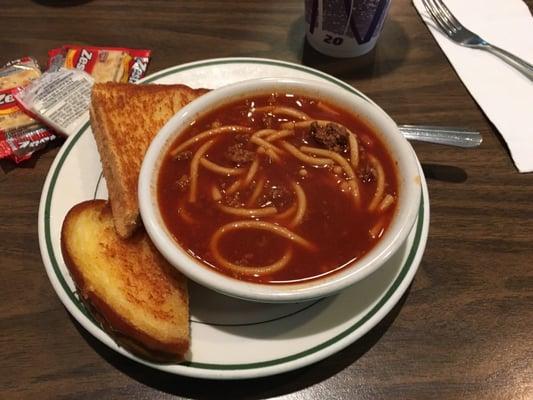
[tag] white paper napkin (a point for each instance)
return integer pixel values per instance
(504, 94)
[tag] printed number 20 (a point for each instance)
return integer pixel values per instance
(337, 41)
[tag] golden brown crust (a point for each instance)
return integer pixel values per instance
(124, 119)
(131, 289)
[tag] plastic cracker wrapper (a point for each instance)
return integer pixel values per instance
(104, 64)
(60, 99)
(20, 134)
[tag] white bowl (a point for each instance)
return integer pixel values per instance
(395, 235)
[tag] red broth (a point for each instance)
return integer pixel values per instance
(297, 220)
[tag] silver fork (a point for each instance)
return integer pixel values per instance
(458, 33)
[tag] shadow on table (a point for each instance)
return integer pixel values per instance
(7, 165)
(444, 173)
(389, 54)
(258, 388)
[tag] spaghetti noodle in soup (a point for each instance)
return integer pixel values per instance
(277, 188)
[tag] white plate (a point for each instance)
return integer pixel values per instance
(231, 339)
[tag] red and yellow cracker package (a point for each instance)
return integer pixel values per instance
(104, 64)
(20, 143)
(20, 134)
(11, 114)
(18, 73)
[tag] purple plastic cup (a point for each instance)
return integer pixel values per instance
(344, 28)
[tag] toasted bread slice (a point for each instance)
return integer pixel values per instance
(140, 298)
(124, 120)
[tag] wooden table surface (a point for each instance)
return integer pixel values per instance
(462, 330)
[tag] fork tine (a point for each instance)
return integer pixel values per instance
(442, 16)
(430, 8)
(453, 21)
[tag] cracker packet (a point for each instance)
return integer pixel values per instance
(18, 73)
(20, 134)
(104, 64)
(59, 98)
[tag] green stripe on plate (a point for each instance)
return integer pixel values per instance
(71, 294)
(338, 82)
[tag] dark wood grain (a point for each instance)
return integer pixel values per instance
(463, 330)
